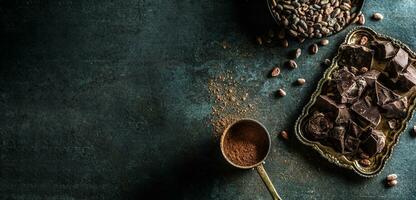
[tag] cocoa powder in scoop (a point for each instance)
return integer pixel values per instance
(245, 144)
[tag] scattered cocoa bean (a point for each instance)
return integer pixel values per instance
(285, 43)
(259, 40)
(301, 81)
(284, 135)
(361, 19)
(392, 183)
(275, 72)
(313, 49)
(281, 92)
(324, 42)
(377, 16)
(292, 64)
(391, 177)
(297, 53)
(327, 62)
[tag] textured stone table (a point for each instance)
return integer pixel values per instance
(105, 99)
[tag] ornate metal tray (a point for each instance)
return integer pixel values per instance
(392, 137)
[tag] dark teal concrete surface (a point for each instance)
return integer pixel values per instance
(103, 99)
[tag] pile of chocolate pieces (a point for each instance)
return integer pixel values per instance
(362, 102)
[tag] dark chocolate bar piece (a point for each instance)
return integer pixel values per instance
(343, 75)
(408, 78)
(371, 77)
(326, 104)
(383, 49)
(397, 64)
(384, 95)
(396, 108)
(368, 113)
(356, 55)
(349, 86)
(374, 143)
(318, 126)
(354, 91)
(339, 111)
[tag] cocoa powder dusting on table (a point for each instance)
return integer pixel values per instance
(245, 145)
(231, 101)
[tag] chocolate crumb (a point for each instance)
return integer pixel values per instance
(414, 130)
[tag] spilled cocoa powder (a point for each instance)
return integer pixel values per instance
(246, 144)
(231, 101)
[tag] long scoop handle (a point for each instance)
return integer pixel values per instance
(263, 174)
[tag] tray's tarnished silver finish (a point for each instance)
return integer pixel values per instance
(377, 162)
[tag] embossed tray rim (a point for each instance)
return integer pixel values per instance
(305, 111)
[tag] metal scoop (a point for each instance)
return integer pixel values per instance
(260, 129)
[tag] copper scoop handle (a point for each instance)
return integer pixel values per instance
(263, 174)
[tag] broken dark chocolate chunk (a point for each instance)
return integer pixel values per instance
(374, 143)
(326, 104)
(408, 78)
(383, 49)
(343, 116)
(397, 64)
(371, 77)
(336, 138)
(368, 113)
(339, 111)
(351, 144)
(354, 91)
(384, 95)
(396, 108)
(344, 75)
(393, 124)
(349, 87)
(354, 130)
(318, 126)
(356, 55)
